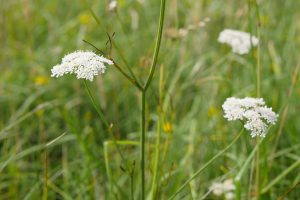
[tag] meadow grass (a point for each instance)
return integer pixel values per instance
(54, 146)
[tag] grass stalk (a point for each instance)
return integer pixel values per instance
(158, 135)
(258, 62)
(281, 176)
(109, 129)
(258, 94)
(205, 166)
(156, 160)
(237, 179)
(108, 171)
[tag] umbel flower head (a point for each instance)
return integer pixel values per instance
(253, 111)
(84, 64)
(238, 40)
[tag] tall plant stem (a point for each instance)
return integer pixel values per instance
(157, 45)
(144, 91)
(142, 143)
(206, 165)
(257, 169)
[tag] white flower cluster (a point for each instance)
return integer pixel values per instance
(238, 40)
(227, 188)
(84, 64)
(253, 111)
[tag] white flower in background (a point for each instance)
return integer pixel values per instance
(229, 196)
(238, 40)
(84, 64)
(112, 6)
(253, 111)
(223, 188)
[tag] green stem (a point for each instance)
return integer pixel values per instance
(144, 91)
(108, 171)
(257, 169)
(158, 135)
(258, 93)
(132, 80)
(206, 165)
(131, 187)
(142, 141)
(112, 41)
(158, 42)
(116, 47)
(239, 175)
(258, 67)
(156, 159)
(99, 112)
(106, 161)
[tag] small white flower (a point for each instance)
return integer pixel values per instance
(253, 111)
(238, 40)
(219, 188)
(84, 64)
(228, 185)
(229, 196)
(112, 6)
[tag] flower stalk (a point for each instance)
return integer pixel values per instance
(144, 91)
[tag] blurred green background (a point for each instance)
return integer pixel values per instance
(52, 142)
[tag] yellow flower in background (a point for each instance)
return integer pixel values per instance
(84, 18)
(87, 116)
(40, 113)
(265, 20)
(212, 111)
(167, 127)
(41, 80)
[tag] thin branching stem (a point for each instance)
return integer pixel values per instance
(112, 41)
(89, 43)
(104, 120)
(132, 80)
(99, 112)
